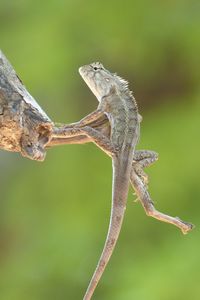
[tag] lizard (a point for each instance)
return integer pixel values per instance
(118, 104)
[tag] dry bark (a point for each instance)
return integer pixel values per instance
(24, 126)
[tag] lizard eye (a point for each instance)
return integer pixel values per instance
(96, 66)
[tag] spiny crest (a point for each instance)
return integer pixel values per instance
(123, 83)
(124, 89)
(124, 86)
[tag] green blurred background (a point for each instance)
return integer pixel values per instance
(54, 215)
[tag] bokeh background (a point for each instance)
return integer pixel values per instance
(54, 215)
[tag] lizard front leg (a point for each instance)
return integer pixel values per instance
(101, 124)
(94, 126)
(78, 139)
(101, 140)
(93, 117)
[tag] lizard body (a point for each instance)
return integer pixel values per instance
(119, 105)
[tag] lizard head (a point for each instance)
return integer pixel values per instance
(100, 80)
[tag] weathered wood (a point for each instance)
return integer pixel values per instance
(24, 126)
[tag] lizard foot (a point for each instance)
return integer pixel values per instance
(185, 227)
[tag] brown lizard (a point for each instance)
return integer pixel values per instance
(118, 104)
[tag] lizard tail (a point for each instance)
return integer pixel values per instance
(119, 199)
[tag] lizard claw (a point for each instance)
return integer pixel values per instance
(186, 227)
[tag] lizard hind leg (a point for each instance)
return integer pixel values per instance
(150, 209)
(141, 160)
